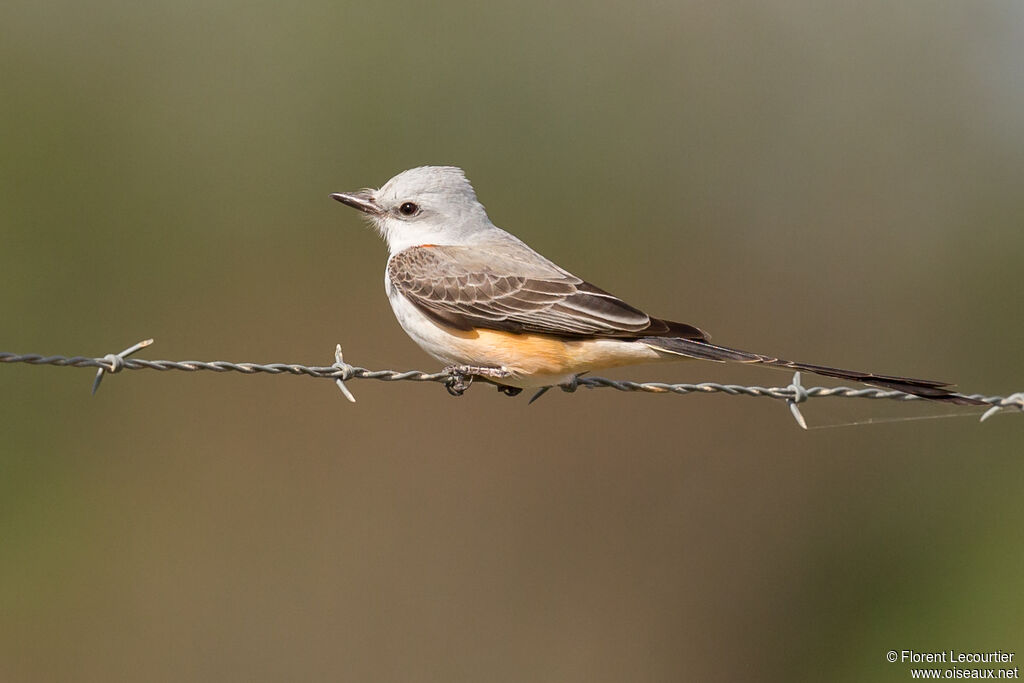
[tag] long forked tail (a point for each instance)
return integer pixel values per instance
(935, 391)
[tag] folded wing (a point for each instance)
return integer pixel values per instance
(512, 289)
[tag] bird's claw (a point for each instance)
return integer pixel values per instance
(458, 381)
(460, 377)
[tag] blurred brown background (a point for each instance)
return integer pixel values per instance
(837, 183)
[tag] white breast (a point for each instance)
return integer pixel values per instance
(431, 337)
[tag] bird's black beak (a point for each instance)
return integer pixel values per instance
(361, 200)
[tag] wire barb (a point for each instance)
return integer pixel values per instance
(799, 396)
(346, 371)
(341, 372)
(1013, 400)
(116, 361)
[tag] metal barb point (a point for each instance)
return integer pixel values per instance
(568, 387)
(540, 392)
(799, 396)
(346, 373)
(116, 361)
(1017, 398)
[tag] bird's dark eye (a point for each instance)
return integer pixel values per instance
(408, 209)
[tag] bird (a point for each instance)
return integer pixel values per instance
(480, 300)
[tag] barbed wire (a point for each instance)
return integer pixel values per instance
(341, 372)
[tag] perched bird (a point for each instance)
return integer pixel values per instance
(480, 300)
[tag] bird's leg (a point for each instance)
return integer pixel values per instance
(461, 376)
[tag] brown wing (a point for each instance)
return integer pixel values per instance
(510, 288)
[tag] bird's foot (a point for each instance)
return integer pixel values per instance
(460, 377)
(509, 391)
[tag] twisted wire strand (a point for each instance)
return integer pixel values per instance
(341, 372)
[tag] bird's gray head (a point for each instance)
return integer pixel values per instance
(425, 205)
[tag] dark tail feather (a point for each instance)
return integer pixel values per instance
(935, 391)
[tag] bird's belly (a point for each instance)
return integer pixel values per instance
(532, 359)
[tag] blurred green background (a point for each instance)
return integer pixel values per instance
(836, 183)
